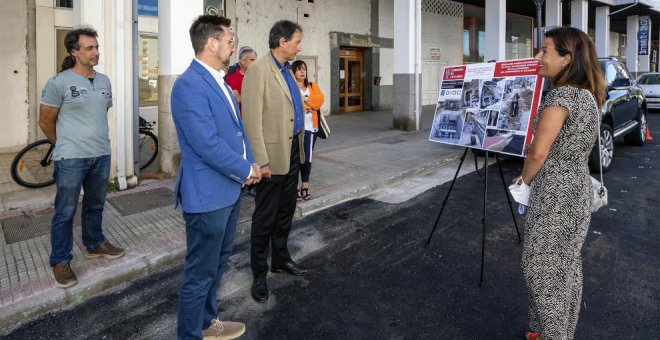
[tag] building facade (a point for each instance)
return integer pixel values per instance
(365, 54)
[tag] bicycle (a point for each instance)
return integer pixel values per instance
(147, 143)
(33, 165)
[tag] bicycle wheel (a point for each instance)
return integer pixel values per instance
(148, 148)
(33, 166)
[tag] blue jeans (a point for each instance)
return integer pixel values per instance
(70, 175)
(210, 239)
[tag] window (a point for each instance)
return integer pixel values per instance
(474, 34)
(610, 74)
(649, 79)
(60, 50)
(215, 7)
(64, 3)
(148, 70)
(623, 72)
(518, 35)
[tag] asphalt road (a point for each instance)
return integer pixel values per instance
(372, 277)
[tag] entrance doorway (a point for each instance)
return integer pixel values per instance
(351, 79)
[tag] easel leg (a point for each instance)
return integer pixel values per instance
(508, 198)
(483, 220)
(476, 166)
(444, 202)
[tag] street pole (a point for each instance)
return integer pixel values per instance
(539, 33)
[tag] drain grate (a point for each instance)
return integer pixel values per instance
(29, 226)
(142, 201)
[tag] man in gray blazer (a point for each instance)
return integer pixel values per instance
(273, 116)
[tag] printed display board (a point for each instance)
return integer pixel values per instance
(488, 106)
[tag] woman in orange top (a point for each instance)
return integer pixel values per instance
(313, 99)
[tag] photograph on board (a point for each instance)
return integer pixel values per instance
(510, 142)
(447, 126)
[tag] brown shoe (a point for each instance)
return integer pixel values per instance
(107, 250)
(223, 330)
(64, 276)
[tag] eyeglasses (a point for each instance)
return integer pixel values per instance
(233, 41)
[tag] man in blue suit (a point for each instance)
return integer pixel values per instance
(216, 163)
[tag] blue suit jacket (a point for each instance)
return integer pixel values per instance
(211, 139)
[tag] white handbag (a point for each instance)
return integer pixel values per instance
(520, 192)
(598, 194)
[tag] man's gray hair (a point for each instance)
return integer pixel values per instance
(245, 50)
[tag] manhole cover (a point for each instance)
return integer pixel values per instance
(29, 226)
(142, 201)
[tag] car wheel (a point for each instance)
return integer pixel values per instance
(606, 153)
(638, 136)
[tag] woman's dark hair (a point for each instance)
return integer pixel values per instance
(205, 27)
(72, 42)
(584, 69)
(282, 29)
(297, 65)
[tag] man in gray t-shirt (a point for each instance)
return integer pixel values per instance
(74, 116)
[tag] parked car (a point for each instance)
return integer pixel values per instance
(624, 113)
(650, 84)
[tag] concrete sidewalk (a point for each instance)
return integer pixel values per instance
(362, 155)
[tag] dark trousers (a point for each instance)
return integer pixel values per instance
(309, 144)
(275, 203)
(209, 240)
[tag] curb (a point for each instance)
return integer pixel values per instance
(115, 276)
(104, 281)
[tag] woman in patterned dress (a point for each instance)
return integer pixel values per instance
(556, 168)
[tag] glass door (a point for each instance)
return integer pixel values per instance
(351, 80)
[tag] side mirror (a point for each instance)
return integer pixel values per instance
(621, 82)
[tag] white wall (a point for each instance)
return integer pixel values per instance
(14, 80)
(348, 16)
(147, 24)
(443, 32)
(386, 30)
(442, 35)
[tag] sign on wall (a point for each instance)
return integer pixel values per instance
(435, 53)
(488, 106)
(148, 7)
(643, 35)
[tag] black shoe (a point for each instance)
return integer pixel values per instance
(291, 268)
(260, 288)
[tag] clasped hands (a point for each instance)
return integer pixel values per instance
(255, 177)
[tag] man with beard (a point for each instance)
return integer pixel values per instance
(216, 163)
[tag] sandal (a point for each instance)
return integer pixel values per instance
(304, 194)
(299, 197)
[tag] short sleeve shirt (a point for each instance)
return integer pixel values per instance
(82, 122)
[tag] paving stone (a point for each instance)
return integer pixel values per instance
(353, 162)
